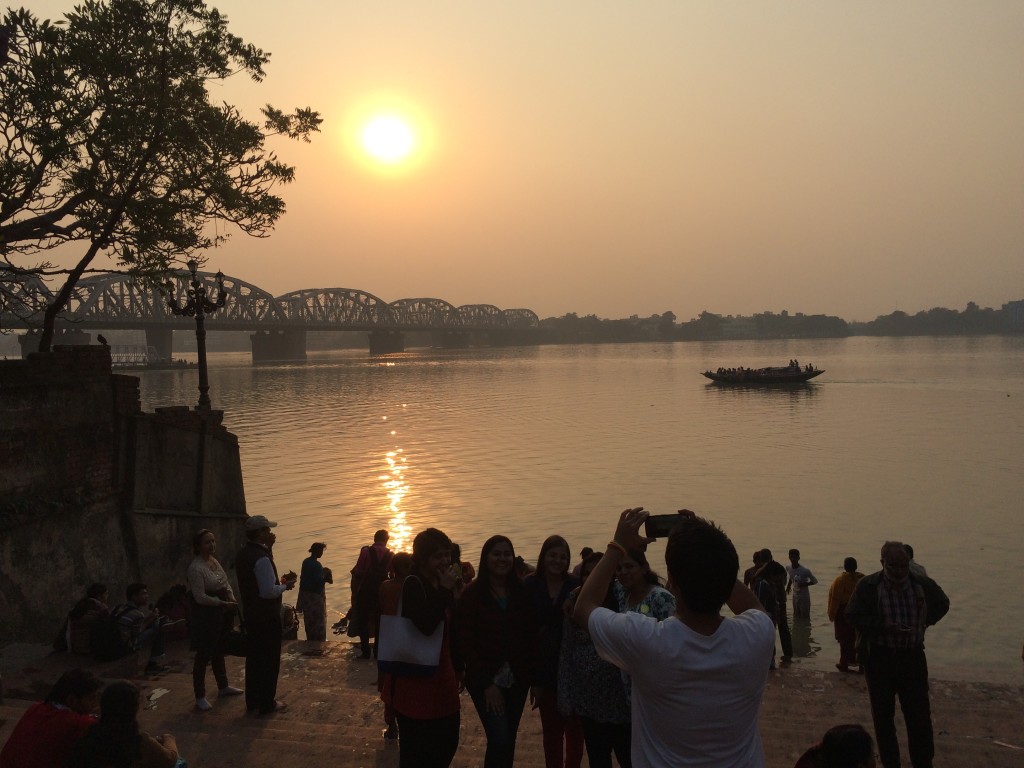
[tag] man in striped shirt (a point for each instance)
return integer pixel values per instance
(890, 610)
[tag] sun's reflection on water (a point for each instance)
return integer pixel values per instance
(396, 488)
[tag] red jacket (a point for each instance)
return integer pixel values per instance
(43, 737)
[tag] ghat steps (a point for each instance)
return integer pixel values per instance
(335, 717)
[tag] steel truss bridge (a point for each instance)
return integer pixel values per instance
(120, 302)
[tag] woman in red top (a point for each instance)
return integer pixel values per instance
(390, 595)
(46, 733)
(427, 708)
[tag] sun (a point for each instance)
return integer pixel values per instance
(388, 139)
(389, 135)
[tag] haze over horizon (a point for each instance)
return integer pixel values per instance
(599, 158)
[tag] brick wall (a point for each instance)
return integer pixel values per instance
(58, 423)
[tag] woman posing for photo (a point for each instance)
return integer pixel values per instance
(640, 588)
(497, 640)
(592, 688)
(212, 617)
(549, 587)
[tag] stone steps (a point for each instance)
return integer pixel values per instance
(336, 718)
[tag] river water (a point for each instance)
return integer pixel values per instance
(916, 439)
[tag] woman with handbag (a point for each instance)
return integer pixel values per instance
(424, 694)
(212, 617)
(497, 639)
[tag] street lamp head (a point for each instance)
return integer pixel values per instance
(193, 265)
(220, 280)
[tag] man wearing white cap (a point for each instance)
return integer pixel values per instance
(261, 590)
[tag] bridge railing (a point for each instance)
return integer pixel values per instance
(119, 301)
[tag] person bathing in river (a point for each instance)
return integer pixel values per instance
(800, 578)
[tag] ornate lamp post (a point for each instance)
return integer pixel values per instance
(198, 306)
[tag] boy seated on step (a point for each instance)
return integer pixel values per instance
(143, 626)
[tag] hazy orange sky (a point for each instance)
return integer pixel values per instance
(632, 158)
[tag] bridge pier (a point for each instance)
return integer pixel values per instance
(386, 342)
(513, 337)
(29, 342)
(448, 339)
(278, 346)
(162, 340)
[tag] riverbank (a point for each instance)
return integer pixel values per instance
(334, 713)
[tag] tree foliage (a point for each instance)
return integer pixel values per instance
(939, 321)
(111, 140)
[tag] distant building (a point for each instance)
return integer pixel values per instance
(739, 328)
(1014, 313)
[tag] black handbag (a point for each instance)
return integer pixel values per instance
(236, 642)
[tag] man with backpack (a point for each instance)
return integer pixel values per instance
(142, 626)
(369, 573)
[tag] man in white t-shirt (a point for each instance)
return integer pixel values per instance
(697, 676)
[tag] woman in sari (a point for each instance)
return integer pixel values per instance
(312, 601)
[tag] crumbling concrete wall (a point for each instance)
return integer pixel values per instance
(92, 489)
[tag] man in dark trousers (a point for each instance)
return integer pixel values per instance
(261, 591)
(890, 610)
(774, 573)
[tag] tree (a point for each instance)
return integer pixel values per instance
(110, 140)
(666, 324)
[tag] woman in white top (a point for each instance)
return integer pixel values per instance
(212, 617)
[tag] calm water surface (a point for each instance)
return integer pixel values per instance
(912, 439)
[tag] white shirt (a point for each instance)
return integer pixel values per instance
(801, 577)
(266, 581)
(696, 698)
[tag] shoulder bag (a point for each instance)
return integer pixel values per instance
(404, 651)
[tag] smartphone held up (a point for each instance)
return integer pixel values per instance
(660, 526)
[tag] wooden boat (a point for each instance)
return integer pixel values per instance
(764, 376)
